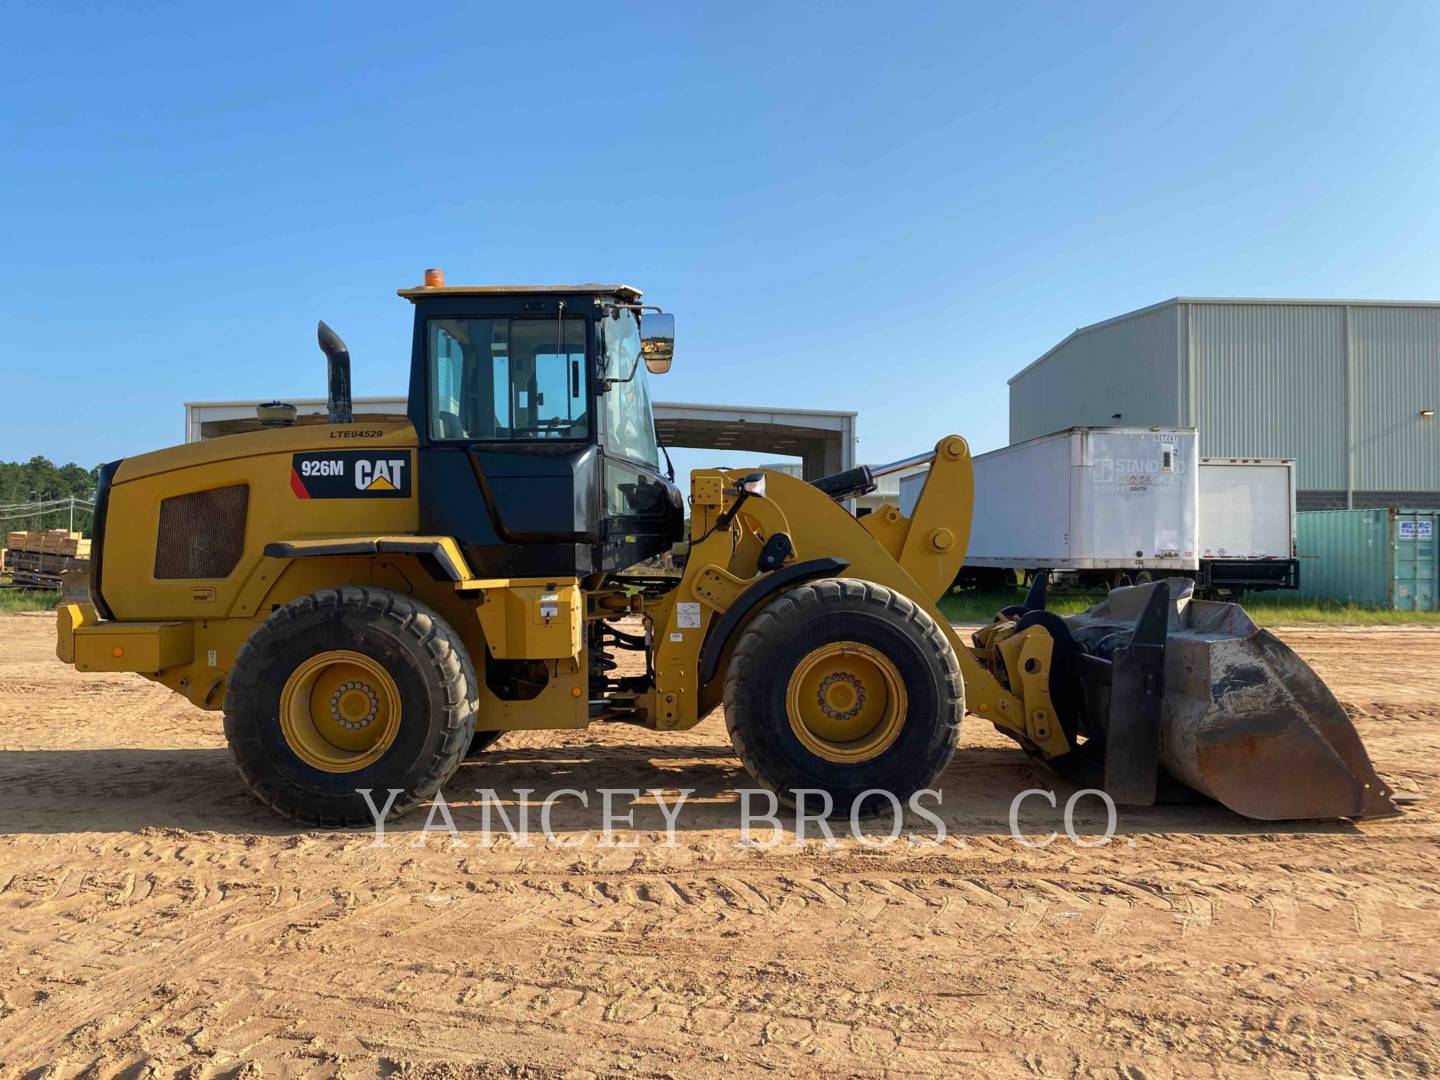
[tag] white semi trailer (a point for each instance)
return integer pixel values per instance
(1247, 525)
(1113, 506)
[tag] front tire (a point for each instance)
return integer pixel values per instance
(349, 689)
(847, 687)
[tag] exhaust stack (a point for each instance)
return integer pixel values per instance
(338, 357)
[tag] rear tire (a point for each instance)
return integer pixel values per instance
(845, 686)
(400, 712)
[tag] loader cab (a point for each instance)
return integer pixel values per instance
(536, 435)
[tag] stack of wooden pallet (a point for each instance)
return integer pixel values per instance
(35, 560)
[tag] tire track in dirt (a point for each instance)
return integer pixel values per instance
(548, 910)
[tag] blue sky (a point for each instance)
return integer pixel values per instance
(889, 208)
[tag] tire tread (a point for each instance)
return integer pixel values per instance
(404, 617)
(760, 640)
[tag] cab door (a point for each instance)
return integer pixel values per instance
(644, 511)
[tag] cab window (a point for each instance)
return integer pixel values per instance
(508, 380)
(629, 429)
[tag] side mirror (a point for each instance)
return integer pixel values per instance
(657, 341)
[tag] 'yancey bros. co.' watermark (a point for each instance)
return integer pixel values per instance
(875, 818)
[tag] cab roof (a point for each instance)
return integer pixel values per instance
(624, 292)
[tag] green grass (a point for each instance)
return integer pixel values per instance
(22, 600)
(975, 607)
(1273, 610)
(1267, 609)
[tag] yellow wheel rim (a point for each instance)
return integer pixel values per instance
(340, 711)
(846, 702)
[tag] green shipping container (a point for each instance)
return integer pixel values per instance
(1375, 558)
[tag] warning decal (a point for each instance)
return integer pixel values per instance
(351, 474)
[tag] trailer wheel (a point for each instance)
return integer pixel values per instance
(345, 690)
(847, 687)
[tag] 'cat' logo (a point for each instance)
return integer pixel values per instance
(385, 474)
(351, 474)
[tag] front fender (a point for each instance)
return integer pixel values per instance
(752, 599)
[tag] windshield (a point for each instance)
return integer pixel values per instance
(629, 424)
(507, 380)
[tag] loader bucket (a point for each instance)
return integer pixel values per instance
(1243, 719)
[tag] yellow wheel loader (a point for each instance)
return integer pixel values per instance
(370, 602)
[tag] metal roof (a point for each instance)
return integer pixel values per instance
(1257, 300)
(821, 435)
(628, 292)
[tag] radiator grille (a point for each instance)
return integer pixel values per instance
(202, 535)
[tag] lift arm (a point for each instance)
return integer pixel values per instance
(917, 557)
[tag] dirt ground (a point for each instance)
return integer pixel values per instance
(155, 921)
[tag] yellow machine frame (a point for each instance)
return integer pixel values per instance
(193, 630)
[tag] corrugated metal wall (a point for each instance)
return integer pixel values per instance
(1396, 361)
(1270, 382)
(1345, 556)
(1130, 367)
(1374, 558)
(1339, 387)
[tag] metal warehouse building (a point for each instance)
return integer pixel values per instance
(1349, 388)
(823, 440)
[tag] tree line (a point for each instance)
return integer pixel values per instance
(38, 480)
